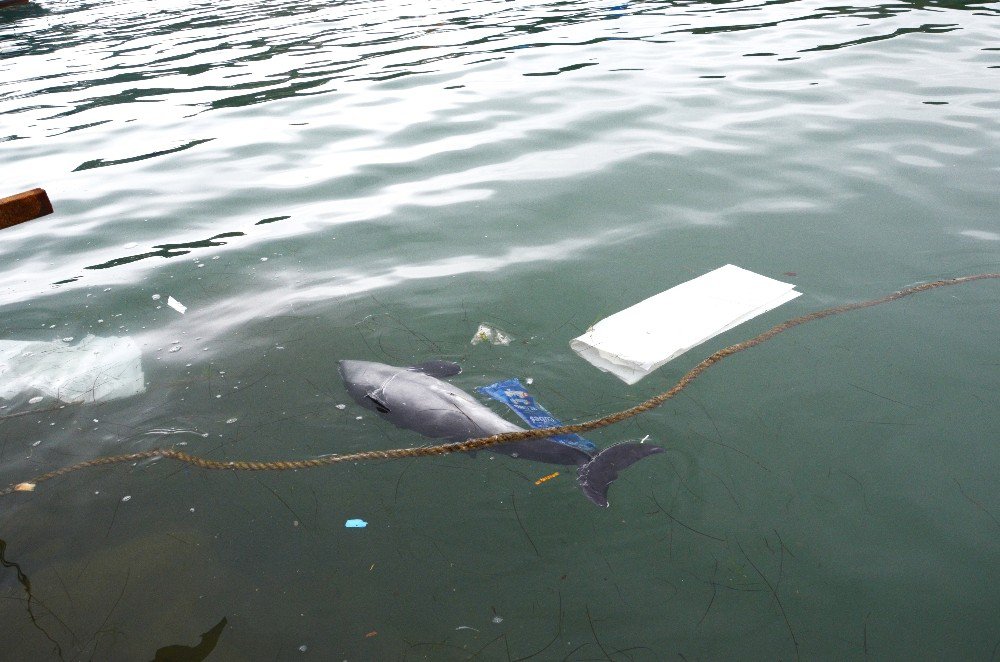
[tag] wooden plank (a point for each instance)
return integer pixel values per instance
(24, 207)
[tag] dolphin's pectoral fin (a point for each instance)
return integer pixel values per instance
(596, 476)
(380, 406)
(439, 369)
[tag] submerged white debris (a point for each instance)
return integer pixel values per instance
(93, 370)
(488, 334)
(632, 343)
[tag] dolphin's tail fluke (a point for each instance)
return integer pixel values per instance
(596, 476)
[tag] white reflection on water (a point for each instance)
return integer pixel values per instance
(213, 320)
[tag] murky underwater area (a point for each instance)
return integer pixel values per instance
(367, 180)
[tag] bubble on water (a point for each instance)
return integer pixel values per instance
(175, 348)
(156, 297)
(231, 420)
(35, 400)
(341, 406)
(126, 497)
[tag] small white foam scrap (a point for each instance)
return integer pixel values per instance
(488, 334)
(176, 305)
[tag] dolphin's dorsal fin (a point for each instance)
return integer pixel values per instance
(439, 369)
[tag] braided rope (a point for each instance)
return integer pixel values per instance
(484, 442)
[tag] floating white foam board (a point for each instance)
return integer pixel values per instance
(632, 343)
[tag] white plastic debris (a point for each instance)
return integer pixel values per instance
(176, 305)
(488, 334)
(632, 343)
(93, 370)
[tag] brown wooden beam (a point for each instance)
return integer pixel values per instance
(24, 207)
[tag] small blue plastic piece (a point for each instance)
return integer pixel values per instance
(355, 524)
(511, 392)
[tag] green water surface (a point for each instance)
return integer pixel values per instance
(373, 180)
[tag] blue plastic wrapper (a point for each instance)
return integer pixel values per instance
(355, 524)
(512, 393)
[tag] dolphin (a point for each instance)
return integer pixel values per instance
(417, 398)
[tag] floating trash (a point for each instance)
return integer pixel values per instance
(488, 334)
(633, 342)
(94, 370)
(176, 305)
(546, 478)
(512, 393)
(355, 524)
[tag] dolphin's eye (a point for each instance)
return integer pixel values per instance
(379, 405)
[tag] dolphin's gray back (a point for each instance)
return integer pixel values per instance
(438, 410)
(423, 403)
(420, 402)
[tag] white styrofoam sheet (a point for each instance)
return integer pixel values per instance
(633, 342)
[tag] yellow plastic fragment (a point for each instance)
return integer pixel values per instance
(545, 478)
(24, 487)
